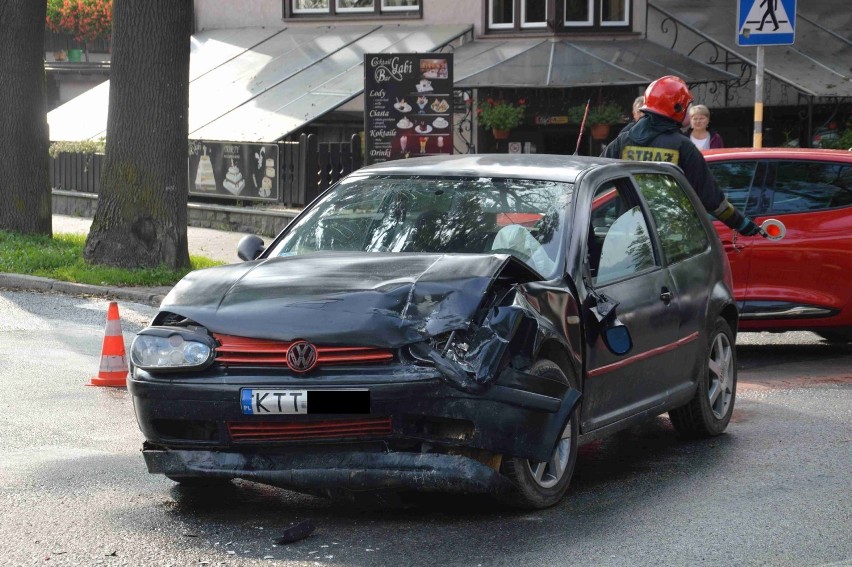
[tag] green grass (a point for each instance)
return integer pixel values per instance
(61, 258)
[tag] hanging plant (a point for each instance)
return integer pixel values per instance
(500, 114)
(605, 113)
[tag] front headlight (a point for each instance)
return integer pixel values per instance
(171, 348)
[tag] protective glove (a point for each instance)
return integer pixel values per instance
(749, 228)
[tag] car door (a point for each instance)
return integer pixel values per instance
(807, 273)
(623, 265)
(688, 259)
(743, 182)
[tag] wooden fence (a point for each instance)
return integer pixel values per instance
(307, 168)
(76, 172)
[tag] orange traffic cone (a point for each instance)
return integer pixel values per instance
(113, 371)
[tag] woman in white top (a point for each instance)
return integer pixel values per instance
(699, 132)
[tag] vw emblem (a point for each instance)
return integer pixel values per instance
(301, 356)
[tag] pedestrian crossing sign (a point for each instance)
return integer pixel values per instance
(766, 22)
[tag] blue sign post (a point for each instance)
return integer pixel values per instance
(766, 22)
(760, 23)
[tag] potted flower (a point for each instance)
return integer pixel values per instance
(600, 117)
(83, 20)
(500, 115)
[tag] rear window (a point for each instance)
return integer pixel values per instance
(760, 187)
(809, 186)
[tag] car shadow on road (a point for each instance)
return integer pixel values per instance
(638, 450)
(615, 479)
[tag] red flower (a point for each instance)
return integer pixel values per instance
(85, 20)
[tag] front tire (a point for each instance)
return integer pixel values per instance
(199, 481)
(710, 410)
(541, 485)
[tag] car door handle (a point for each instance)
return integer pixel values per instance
(666, 296)
(732, 245)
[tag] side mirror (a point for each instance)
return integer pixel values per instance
(614, 333)
(249, 247)
(773, 229)
(617, 338)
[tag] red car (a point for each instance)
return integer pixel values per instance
(803, 282)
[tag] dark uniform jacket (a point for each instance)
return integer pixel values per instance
(657, 138)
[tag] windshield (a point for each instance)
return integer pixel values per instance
(521, 217)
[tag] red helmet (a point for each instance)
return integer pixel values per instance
(668, 96)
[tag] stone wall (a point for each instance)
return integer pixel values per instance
(254, 220)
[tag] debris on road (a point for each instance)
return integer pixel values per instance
(297, 532)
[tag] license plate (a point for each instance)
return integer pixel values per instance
(296, 402)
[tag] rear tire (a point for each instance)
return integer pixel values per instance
(707, 414)
(839, 336)
(541, 485)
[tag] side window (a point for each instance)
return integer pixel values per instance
(810, 186)
(619, 243)
(366, 8)
(502, 14)
(597, 12)
(735, 179)
(681, 233)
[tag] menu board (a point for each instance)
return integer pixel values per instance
(234, 169)
(408, 105)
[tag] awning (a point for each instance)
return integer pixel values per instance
(817, 64)
(562, 63)
(260, 84)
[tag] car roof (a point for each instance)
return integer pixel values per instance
(520, 166)
(811, 154)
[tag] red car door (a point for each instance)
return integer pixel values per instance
(807, 274)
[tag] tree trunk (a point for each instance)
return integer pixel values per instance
(25, 201)
(141, 215)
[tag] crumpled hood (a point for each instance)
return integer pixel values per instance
(358, 299)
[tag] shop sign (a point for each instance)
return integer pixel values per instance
(235, 170)
(408, 105)
(544, 120)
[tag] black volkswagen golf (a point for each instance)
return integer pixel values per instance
(456, 323)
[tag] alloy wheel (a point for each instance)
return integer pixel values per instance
(721, 381)
(548, 473)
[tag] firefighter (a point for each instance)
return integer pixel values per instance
(656, 136)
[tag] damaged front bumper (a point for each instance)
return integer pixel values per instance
(466, 464)
(519, 415)
(356, 471)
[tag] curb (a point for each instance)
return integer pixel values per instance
(149, 296)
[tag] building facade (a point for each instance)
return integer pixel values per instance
(273, 71)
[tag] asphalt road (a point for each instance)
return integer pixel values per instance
(774, 490)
